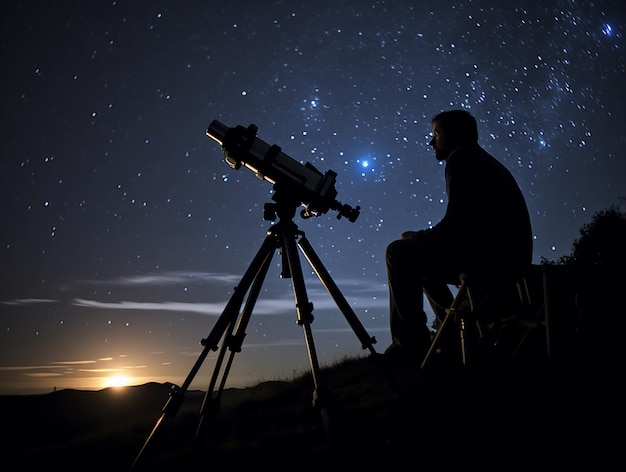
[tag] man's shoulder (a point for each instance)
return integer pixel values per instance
(470, 155)
(463, 156)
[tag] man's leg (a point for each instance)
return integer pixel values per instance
(406, 259)
(418, 267)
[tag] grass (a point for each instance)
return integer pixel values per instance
(513, 418)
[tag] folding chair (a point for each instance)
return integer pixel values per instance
(493, 315)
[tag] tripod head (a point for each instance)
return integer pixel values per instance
(293, 182)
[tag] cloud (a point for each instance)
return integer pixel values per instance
(42, 374)
(50, 365)
(361, 294)
(262, 307)
(74, 362)
(279, 343)
(204, 308)
(27, 301)
(27, 367)
(63, 368)
(275, 306)
(101, 371)
(165, 278)
(185, 277)
(379, 329)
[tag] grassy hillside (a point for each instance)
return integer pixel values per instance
(513, 418)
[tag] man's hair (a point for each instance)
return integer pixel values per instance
(459, 125)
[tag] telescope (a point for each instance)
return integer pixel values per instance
(301, 184)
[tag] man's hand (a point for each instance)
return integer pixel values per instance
(412, 234)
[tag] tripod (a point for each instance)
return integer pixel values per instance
(282, 236)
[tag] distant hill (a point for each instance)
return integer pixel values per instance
(507, 418)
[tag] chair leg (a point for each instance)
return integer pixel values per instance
(477, 330)
(465, 339)
(535, 315)
(435, 342)
(470, 334)
(451, 314)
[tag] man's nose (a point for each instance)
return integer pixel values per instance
(432, 142)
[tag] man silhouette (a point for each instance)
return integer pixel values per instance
(486, 229)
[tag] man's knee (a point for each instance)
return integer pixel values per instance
(425, 257)
(396, 250)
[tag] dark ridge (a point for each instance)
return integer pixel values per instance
(515, 418)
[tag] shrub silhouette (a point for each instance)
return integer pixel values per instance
(602, 242)
(598, 267)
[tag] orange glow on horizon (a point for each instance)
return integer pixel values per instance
(117, 381)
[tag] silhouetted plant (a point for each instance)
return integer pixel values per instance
(598, 262)
(602, 242)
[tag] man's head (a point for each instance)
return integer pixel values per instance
(452, 129)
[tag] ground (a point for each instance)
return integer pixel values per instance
(547, 416)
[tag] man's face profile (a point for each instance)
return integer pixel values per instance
(439, 143)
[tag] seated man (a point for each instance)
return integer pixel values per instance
(486, 228)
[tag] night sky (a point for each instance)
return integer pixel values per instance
(124, 231)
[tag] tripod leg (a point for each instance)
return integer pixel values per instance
(211, 401)
(366, 341)
(233, 342)
(226, 319)
(305, 317)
